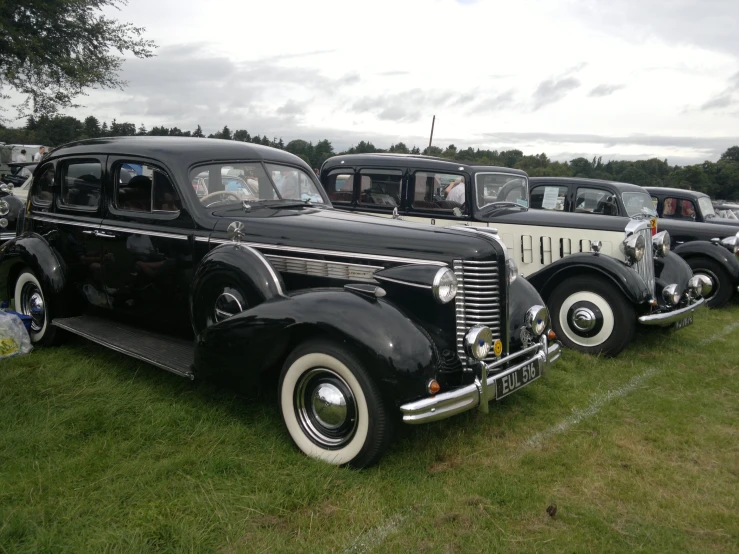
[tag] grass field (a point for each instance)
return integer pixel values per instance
(100, 453)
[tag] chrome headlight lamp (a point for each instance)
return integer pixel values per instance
(661, 244)
(671, 295)
(3, 222)
(4, 208)
(477, 342)
(445, 285)
(5, 187)
(634, 247)
(732, 243)
(511, 270)
(695, 286)
(536, 319)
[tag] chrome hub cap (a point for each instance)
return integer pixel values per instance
(227, 305)
(583, 319)
(32, 304)
(325, 408)
(714, 282)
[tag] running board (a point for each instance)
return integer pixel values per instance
(170, 353)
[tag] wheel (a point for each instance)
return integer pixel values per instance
(221, 295)
(331, 407)
(29, 300)
(591, 315)
(720, 280)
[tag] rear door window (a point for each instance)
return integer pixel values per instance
(550, 197)
(340, 186)
(439, 191)
(380, 188)
(595, 201)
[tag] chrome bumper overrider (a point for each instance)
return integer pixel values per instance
(6, 236)
(668, 318)
(483, 390)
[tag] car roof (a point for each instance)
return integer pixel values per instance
(684, 192)
(404, 160)
(621, 187)
(181, 150)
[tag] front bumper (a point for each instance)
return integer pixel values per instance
(483, 390)
(668, 318)
(6, 236)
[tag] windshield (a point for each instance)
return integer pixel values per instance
(492, 188)
(233, 183)
(638, 203)
(706, 207)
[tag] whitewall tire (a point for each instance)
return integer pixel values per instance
(29, 300)
(330, 406)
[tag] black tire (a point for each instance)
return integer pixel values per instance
(357, 434)
(212, 290)
(29, 300)
(607, 319)
(723, 288)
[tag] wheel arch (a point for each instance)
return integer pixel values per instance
(705, 249)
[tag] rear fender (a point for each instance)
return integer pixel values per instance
(718, 253)
(621, 275)
(397, 352)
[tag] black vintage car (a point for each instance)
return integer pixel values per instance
(599, 276)
(223, 259)
(716, 261)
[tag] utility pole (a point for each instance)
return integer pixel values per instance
(431, 138)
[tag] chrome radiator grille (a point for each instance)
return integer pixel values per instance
(645, 268)
(479, 301)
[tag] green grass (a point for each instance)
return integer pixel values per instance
(100, 453)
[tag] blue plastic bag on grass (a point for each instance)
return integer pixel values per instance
(14, 339)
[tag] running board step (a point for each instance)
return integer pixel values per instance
(170, 353)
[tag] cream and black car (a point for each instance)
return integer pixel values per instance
(601, 277)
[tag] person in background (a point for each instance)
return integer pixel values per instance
(21, 157)
(455, 192)
(40, 154)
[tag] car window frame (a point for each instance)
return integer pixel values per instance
(568, 203)
(114, 167)
(35, 182)
(615, 195)
(59, 206)
(410, 193)
(473, 192)
(402, 172)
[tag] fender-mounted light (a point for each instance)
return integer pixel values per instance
(537, 319)
(695, 286)
(634, 246)
(551, 335)
(3, 222)
(477, 342)
(671, 295)
(732, 243)
(4, 208)
(445, 285)
(661, 244)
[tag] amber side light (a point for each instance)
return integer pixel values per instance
(434, 386)
(551, 334)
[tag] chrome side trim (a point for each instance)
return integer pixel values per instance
(62, 221)
(268, 265)
(134, 231)
(7, 236)
(417, 285)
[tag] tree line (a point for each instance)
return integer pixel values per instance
(718, 179)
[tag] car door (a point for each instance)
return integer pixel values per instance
(66, 210)
(147, 238)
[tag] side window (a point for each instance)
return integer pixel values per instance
(81, 184)
(549, 197)
(655, 202)
(670, 208)
(43, 187)
(687, 209)
(380, 187)
(438, 191)
(144, 188)
(340, 186)
(595, 201)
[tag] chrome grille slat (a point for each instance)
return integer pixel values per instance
(645, 268)
(478, 300)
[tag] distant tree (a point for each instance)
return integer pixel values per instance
(159, 131)
(432, 151)
(281, 144)
(198, 132)
(91, 126)
(399, 148)
(731, 154)
(104, 132)
(175, 132)
(581, 167)
(51, 52)
(415, 150)
(242, 136)
(142, 130)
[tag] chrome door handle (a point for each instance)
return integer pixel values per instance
(105, 235)
(88, 232)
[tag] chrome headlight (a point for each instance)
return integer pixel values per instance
(671, 295)
(706, 285)
(445, 285)
(4, 187)
(3, 222)
(634, 246)
(732, 243)
(695, 286)
(661, 243)
(536, 319)
(4, 207)
(511, 270)
(477, 342)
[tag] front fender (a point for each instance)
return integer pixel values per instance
(718, 253)
(33, 251)
(521, 297)
(626, 279)
(13, 217)
(398, 353)
(671, 269)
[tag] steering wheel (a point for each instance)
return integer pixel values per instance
(509, 189)
(206, 200)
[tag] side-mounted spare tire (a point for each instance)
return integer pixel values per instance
(230, 279)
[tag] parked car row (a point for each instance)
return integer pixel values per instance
(396, 288)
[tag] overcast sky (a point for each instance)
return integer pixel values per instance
(621, 79)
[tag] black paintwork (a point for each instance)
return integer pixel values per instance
(14, 177)
(715, 252)
(147, 267)
(671, 269)
(17, 207)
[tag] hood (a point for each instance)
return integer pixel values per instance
(334, 230)
(548, 218)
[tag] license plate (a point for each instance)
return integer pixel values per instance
(516, 380)
(684, 322)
